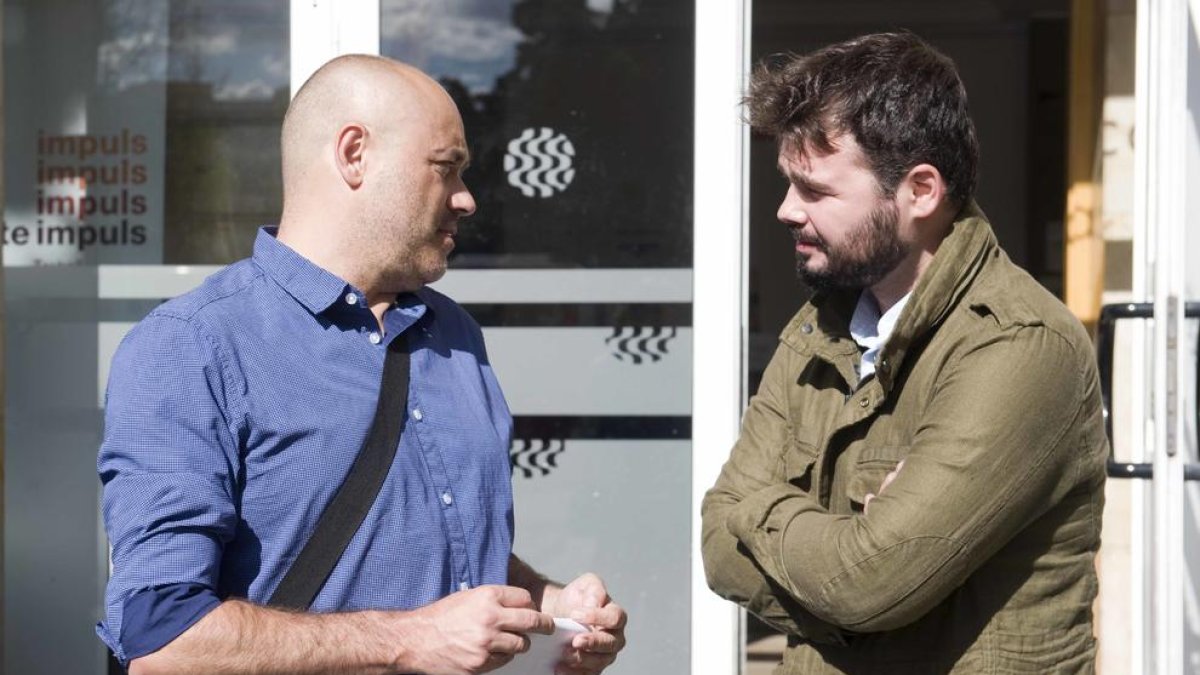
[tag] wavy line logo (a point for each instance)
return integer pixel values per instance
(535, 456)
(539, 162)
(635, 345)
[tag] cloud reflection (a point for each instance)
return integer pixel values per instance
(473, 40)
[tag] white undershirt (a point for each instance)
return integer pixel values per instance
(871, 331)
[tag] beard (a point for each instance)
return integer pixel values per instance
(870, 252)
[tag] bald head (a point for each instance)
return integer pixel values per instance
(373, 159)
(361, 89)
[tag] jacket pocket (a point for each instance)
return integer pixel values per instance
(873, 465)
(800, 458)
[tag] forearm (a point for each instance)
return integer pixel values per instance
(240, 637)
(730, 573)
(733, 575)
(816, 559)
(543, 591)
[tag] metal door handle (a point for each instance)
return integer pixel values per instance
(1109, 315)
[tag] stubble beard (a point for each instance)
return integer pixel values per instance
(408, 247)
(872, 251)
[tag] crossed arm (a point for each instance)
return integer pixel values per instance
(983, 465)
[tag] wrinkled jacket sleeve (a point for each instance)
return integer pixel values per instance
(755, 465)
(990, 455)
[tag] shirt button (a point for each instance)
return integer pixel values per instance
(447, 498)
(864, 402)
(374, 337)
(463, 586)
(351, 299)
(806, 328)
(417, 414)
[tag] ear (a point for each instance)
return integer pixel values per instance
(924, 190)
(349, 154)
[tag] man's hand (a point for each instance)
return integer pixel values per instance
(474, 631)
(887, 480)
(586, 600)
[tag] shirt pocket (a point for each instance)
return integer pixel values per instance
(872, 466)
(800, 458)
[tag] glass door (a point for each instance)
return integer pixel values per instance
(578, 266)
(138, 134)
(143, 152)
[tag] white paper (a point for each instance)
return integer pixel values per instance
(545, 651)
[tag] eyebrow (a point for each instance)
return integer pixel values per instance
(453, 154)
(803, 181)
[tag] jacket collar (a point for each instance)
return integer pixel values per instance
(822, 327)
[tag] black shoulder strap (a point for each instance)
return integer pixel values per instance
(358, 491)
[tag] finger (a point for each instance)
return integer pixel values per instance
(610, 617)
(496, 661)
(598, 642)
(508, 643)
(593, 589)
(511, 596)
(578, 662)
(887, 480)
(525, 621)
(867, 501)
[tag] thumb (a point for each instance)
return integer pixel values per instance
(593, 592)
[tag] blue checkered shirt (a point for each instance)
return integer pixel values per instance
(235, 411)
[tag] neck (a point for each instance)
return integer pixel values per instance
(319, 244)
(902, 280)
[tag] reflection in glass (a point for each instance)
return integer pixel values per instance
(579, 117)
(228, 88)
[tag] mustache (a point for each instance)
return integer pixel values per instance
(807, 239)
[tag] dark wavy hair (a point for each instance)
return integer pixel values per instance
(901, 100)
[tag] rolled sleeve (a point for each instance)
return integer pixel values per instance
(987, 460)
(168, 468)
(153, 617)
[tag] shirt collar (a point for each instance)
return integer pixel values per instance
(312, 286)
(318, 289)
(867, 327)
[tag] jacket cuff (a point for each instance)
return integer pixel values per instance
(760, 520)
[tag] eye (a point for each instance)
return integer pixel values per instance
(446, 168)
(809, 192)
(449, 168)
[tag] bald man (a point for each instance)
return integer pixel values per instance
(235, 411)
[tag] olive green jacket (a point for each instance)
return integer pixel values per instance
(979, 557)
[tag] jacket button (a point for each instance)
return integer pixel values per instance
(864, 402)
(806, 328)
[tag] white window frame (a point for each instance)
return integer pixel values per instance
(719, 309)
(323, 29)
(1160, 233)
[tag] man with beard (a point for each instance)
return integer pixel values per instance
(235, 412)
(917, 487)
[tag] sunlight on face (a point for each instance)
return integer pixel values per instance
(846, 231)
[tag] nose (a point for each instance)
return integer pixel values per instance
(792, 210)
(462, 202)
